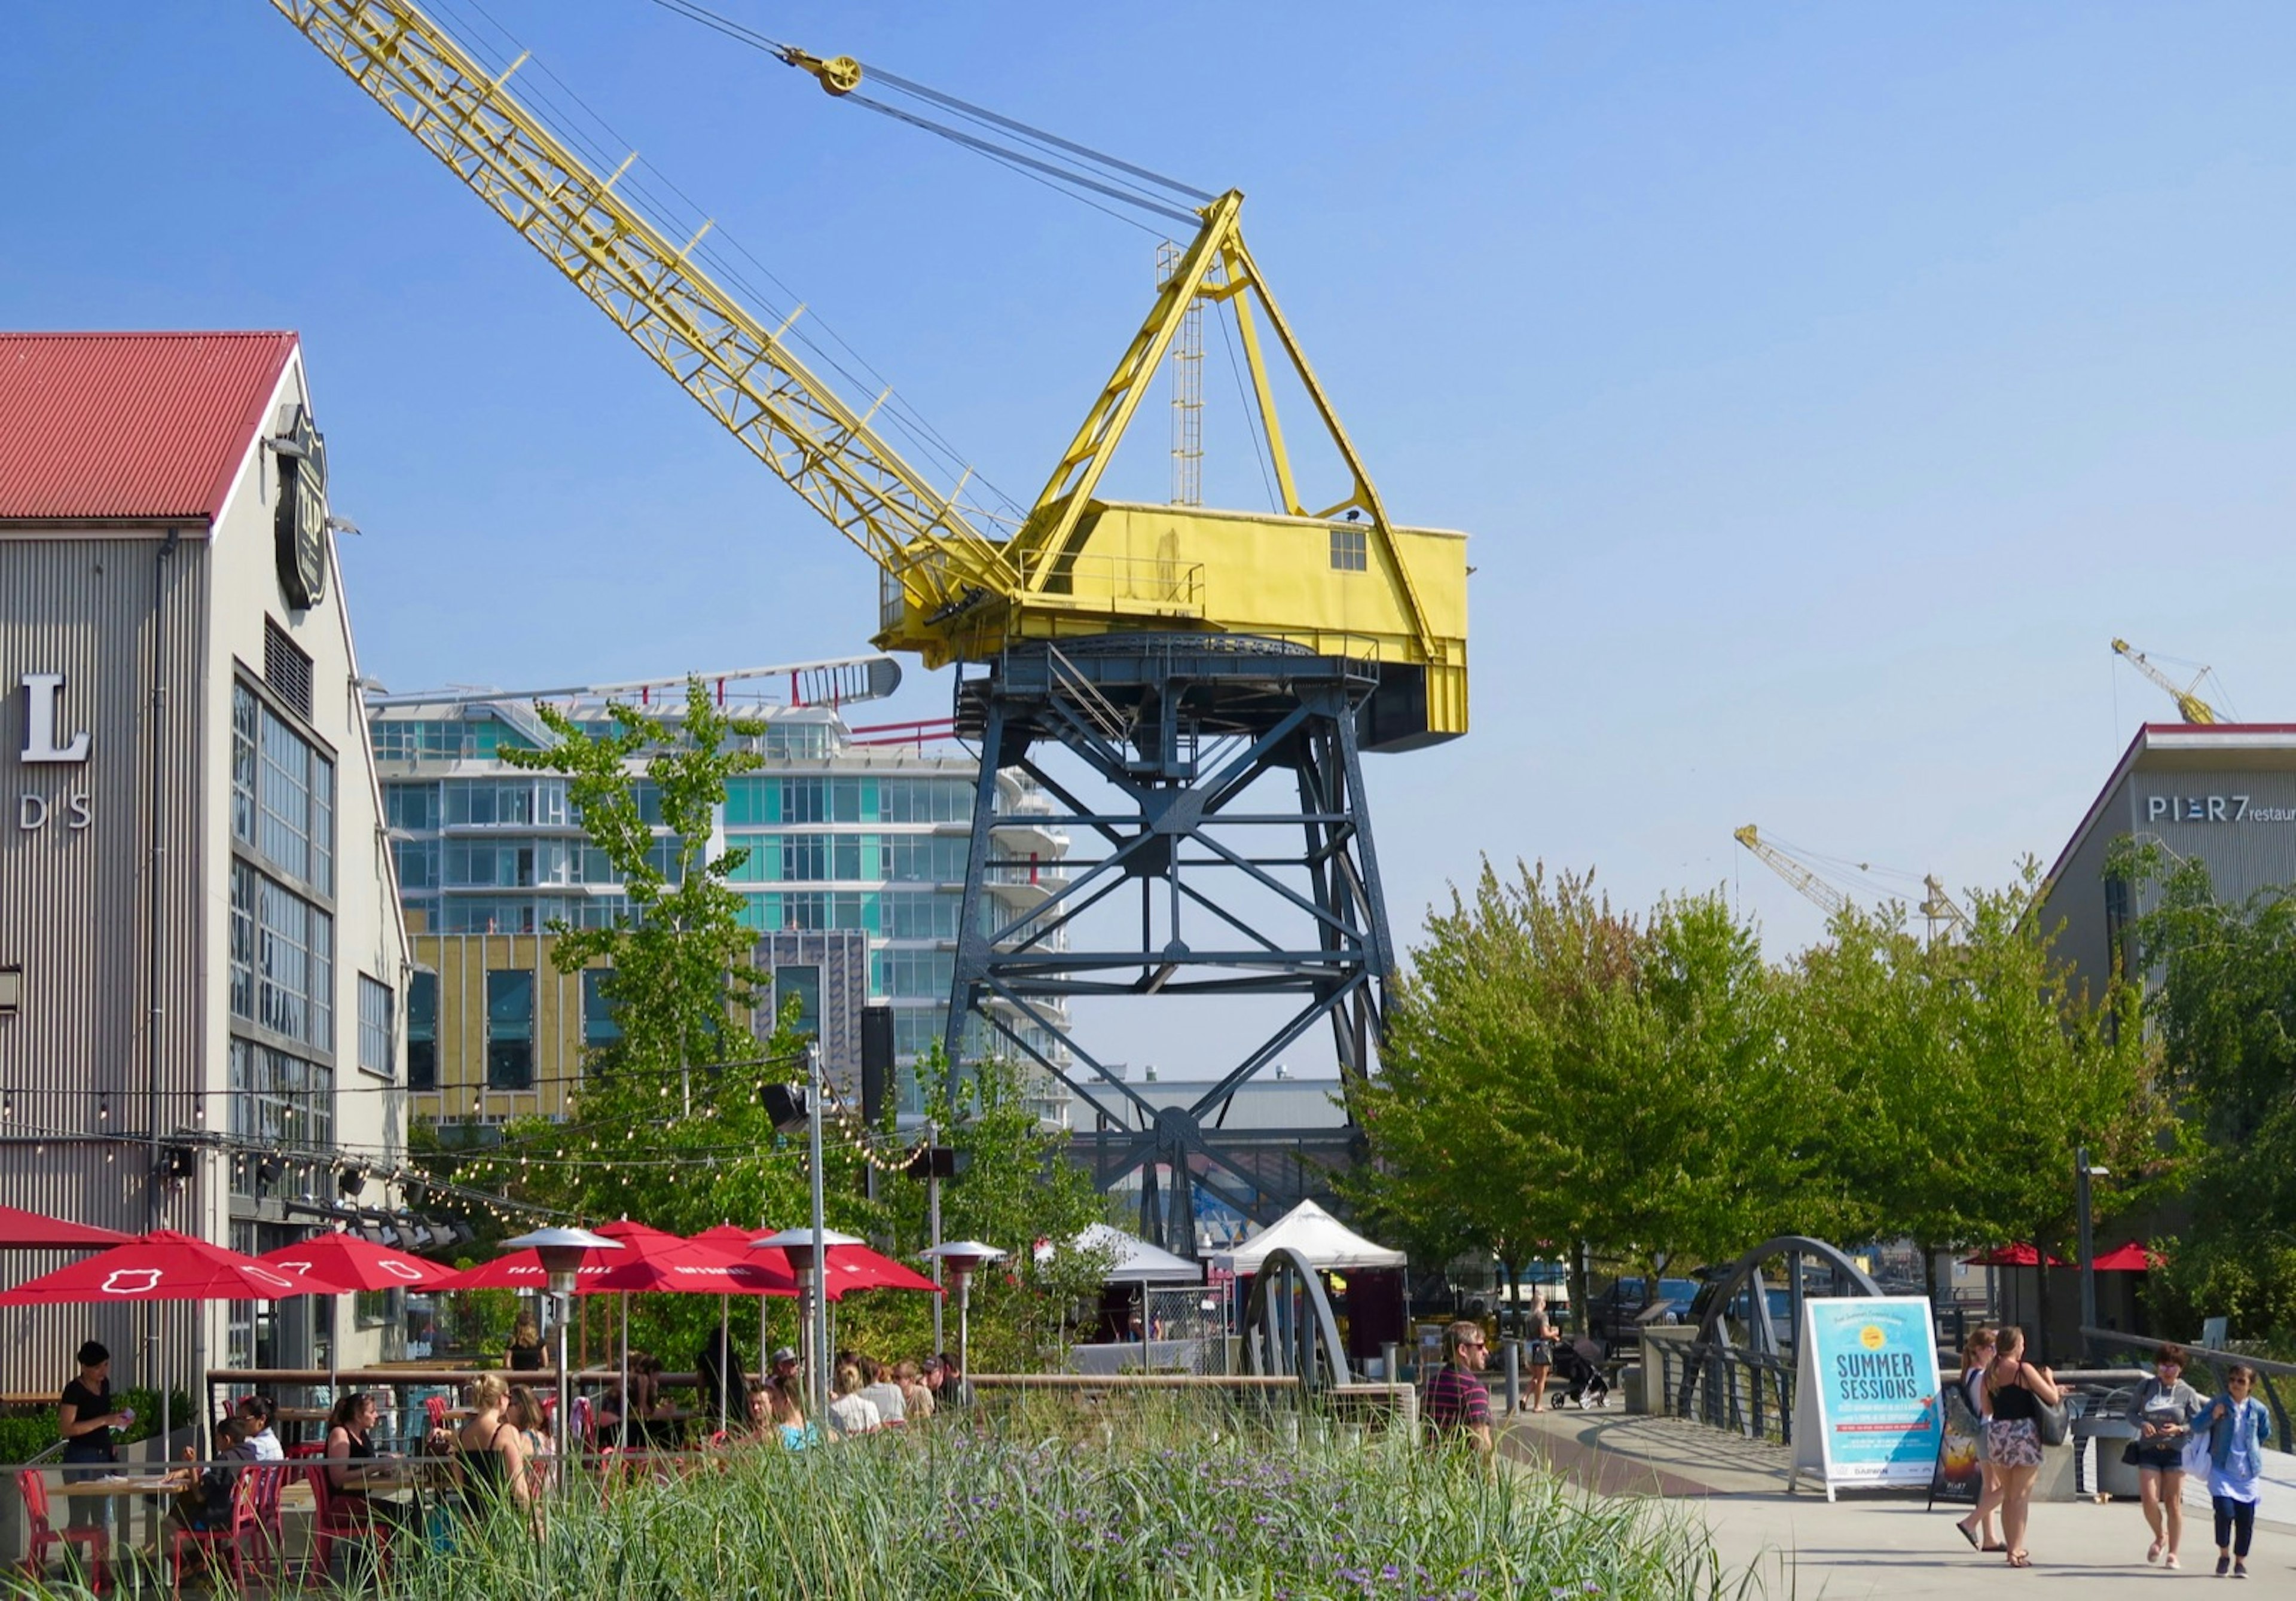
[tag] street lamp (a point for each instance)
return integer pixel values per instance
(562, 1251)
(961, 1257)
(805, 1249)
(2082, 1174)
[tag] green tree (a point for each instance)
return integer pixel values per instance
(2223, 1009)
(1557, 1072)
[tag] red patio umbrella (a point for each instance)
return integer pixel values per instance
(2015, 1254)
(161, 1265)
(2130, 1258)
(29, 1231)
(336, 1263)
(520, 1270)
(656, 1261)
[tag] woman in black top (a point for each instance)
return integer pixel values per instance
(2015, 1390)
(492, 1457)
(525, 1345)
(85, 1418)
(350, 1456)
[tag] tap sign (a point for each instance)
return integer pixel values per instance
(1865, 1393)
(50, 741)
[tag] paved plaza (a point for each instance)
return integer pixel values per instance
(1800, 1545)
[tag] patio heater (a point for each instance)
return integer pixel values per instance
(808, 1253)
(562, 1251)
(960, 1258)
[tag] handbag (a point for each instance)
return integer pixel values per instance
(2129, 1455)
(2051, 1423)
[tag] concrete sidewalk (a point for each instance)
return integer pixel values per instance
(1871, 1545)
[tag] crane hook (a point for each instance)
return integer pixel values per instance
(839, 75)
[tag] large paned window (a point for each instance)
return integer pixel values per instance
(418, 863)
(422, 1031)
(919, 974)
(928, 915)
(282, 972)
(414, 807)
(510, 1030)
(282, 797)
(926, 858)
(599, 1029)
(813, 909)
(800, 981)
(279, 1101)
(376, 1025)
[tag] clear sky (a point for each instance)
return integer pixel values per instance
(1823, 385)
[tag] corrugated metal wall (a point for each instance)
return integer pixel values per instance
(76, 912)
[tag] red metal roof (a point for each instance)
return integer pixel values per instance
(99, 427)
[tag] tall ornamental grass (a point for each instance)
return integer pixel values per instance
(1155, 1501)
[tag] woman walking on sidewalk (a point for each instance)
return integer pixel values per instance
(1538, 1347)
(2238, 1426)
(2165, 1407)
(2016, 1391)
(1982, 1527)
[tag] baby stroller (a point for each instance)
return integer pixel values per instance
(1577, 1363)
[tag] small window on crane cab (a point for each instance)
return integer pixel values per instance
(1350, 550)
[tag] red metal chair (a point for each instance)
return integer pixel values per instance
(246, 1519)
(43, 1536)
(306, 1451)
(270, 1484)
(339, 1518)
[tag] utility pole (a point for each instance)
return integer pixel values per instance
(2082, 1174)
(820, 1375)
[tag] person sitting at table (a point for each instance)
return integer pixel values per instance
(851, 1412)
(717, 1374)
(490, 1455)
(526, 1345)
(789, 1418)
(85, 1419)
(352, 1462)
(523, 1411)
(916, 1399)
(262, 1445)
(881, 1393)
(204, 1503)
(757, 1420)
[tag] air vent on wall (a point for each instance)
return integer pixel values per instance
(286, 668)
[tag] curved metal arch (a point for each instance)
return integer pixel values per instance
(1289, 1328)
(1764, 1342)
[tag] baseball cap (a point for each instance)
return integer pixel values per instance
(785, 1354)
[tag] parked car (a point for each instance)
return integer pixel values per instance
(1614, 1315)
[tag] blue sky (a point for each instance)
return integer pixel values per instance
(1824, 386)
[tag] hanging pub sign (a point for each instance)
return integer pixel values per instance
(1865, 1393)
(299, 523)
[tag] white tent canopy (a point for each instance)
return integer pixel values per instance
(1327, 1244)
(1135, 1260)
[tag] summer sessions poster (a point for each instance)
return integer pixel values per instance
(1866, 1407)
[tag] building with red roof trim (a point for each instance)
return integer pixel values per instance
(201, 952)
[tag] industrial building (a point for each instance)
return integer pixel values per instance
(202, 963)
(2222, 793)
(856, 842)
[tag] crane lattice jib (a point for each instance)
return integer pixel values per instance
(2189, 704)
(736, 367)
(1831, 900)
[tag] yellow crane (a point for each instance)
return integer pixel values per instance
(1179, 653)
(2189, 704)
(953, 591)
(1938, 910)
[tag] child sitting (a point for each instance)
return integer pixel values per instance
(205, 1503)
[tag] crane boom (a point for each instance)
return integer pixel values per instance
(2189, 705)
(739, 369)
(1829, 900)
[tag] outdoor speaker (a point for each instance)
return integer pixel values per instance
(876, 1059)
(784, 1106)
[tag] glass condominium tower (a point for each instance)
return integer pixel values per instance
(864, 830)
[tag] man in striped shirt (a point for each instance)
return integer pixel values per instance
(1456, 1407)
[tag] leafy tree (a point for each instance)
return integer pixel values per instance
(2224, 1008)
(1555, 1072)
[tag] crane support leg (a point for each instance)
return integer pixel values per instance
(1226, 852)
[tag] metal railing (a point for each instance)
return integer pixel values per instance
(2216, 1361)
(1743, 1392)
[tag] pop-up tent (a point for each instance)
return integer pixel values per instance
(1136, 1261)
(1329, 1245)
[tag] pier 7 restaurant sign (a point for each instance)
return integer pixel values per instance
(1867, 1413)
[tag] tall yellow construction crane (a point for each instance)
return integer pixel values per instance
(2189, 704)
(1179, 653)
(1938, 910)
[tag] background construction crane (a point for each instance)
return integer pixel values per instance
(2189, 704)
(1181, 653)
(1940, 911)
